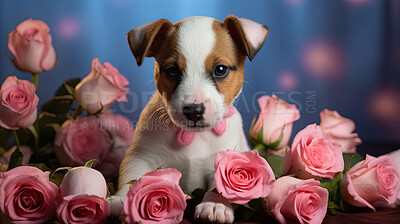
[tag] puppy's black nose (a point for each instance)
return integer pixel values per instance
(194, 112)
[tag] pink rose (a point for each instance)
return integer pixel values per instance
(117, 124)
(313, 155)
(30, 43)
(81, 140)
(83, 191)
(19, 102)
(275, 115)
(242, 176)
(396, 158)
(5, 158)
(373, 182)
(101, 88)
(122, 130)
(340, 129)
(109, 166)
(302, 201)
(156, 197)
(27, 195)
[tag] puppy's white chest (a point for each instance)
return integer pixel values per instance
(196, 161)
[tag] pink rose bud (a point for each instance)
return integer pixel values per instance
(101, 88)
(18, 108)
(30, 43)
(83, 197)
(313, 155)
(276, 116)
(340, 129)
(118, 125)
(242, 176)
(373, 182)
(27, 195)
(81, 140)
(156, 197)
(396, 158)
(301, 201)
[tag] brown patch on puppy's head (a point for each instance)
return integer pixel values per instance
(158, 40)
(232, 45)
(226, 53)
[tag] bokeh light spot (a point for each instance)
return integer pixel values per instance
(358, 2)
(324, 59)
(293, 2)
(68, 28)
(287, 80)
(384, 105)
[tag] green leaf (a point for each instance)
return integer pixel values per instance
(196, 197)
(61, 168)
(41, 166)
(5, 218)
(131, 182)
(35, 135)
(333, 207)
(275, 144)
(260, 135)
(350, 159)
(276, 164)
(122, 218)
(2, 151)
(245, 212)
(78, 111)
(252, 140)
(63, 99)
(333, 187)
(57, 178)
(15, 159)
(5, 136)
(68, 87)
(25, 136)
(110, 189)
(90, 163)
(160, 167)
(54, 126)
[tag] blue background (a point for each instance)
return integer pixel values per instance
(342, 55)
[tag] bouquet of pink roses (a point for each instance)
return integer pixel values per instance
(319, 172)
(75, 126)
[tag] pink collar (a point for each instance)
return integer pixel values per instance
(184, 137)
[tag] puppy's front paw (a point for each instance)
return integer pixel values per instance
(214, 212)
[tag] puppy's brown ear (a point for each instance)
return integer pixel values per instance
(248, 35)
(147, 39)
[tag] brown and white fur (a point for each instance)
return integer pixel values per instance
(195, 46)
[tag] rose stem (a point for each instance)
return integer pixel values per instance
(33, 129)
(259, 147)
(35, 77)
(16, 138)
(77, 112)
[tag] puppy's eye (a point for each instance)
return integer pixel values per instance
(220, 71)
(172, 72)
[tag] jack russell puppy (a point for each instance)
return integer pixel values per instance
(199, 71)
